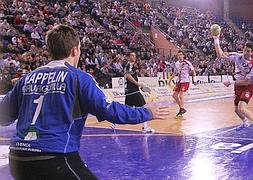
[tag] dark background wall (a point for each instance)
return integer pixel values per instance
(242, 8)
(215, 5)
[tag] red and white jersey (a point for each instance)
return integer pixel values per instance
(242, 66)
(250, 74)
(182, 69)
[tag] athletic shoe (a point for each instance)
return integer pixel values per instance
(148, 130)
(113, 126)
(245, 124)
(181, 112)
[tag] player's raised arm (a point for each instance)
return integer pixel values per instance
(215, 32)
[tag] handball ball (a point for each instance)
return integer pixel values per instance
(215, 29)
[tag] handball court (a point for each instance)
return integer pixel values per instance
(202, 146)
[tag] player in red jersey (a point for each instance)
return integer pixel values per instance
(243, 89)
(182, 69)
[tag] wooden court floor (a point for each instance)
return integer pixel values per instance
(201, 117)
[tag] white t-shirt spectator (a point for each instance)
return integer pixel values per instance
(35, 35)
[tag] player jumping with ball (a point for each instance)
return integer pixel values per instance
(243, 66)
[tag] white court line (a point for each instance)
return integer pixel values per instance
(225, 131)
(172, 102)
(220, 137)
(231, 130)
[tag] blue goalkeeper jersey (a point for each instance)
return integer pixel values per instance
(51, 105)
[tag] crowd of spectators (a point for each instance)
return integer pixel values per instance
(190, 28)
(108, 30)
(246, 25)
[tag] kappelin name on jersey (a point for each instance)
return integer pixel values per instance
(48, 82)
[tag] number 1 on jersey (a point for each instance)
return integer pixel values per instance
(31, 133)
(38, 101)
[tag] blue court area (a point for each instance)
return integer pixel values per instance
(121, 154)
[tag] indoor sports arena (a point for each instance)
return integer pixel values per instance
(136, 89)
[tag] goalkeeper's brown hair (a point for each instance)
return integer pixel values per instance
(60, 40)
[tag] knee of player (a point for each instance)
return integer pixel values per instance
(181, 94)
(175, 95)
(242, 108)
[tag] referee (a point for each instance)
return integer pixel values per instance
(133, 96)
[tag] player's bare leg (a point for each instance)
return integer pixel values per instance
(180, 102)
(239, 114)
(244, 114)
(181, 97)
(244, 110)
(176, 98)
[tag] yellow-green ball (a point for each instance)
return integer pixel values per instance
(215, 29)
